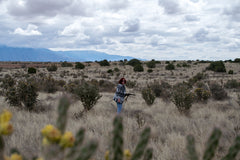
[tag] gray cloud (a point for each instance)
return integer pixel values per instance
(233, 12)
(130, 26)
(118, 4)
(170, 6)
(202, 35)
(191, 18)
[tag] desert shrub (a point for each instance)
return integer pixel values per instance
(151, 64)
(138, 68)
(105, 86)
(230, 72)
(218, 92)
(32, 70)
(131, 84)
(198, 77)
(182, 97)
(179, 65)
(88, 94)
(48, 84)
(134, 62)
(110, 71)
(0, 69)
(202, 94)
(104, 63)
(72, 85)
(66, 64)
(237, 60)
(25, 92)
(217, 66)
(148, 96)
(52, 68)
(116, 70)
(79, 65)
(150, 70)
(170, 66)
(161, 90)
(7, 82)
(233, 83)
(185, 64)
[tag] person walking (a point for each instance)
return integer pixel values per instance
(120, 94)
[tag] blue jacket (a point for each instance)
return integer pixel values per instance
(120, 93)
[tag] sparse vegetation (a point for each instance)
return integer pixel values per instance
(218, 92)
(79, 65)
(52, 68)
(217, 66)
(148, 96)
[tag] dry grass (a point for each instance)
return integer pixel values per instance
(169, 127)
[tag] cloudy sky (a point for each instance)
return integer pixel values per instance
(149, 29)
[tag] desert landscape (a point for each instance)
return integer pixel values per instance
(216, 106)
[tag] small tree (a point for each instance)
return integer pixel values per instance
(133, 62)
(218, 92)
(104, 63)
(151, 64)
(170, 66)
(52, 68)
(217, 66)
(138, 68)
(88, 94)
(32, 70)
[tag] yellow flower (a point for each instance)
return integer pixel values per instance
(51, 133)
(5, 116)
(6, 128)
(39, 159)
(127, 154)
(67, 140)
(107, 155)
(16, 156)
(45, 141)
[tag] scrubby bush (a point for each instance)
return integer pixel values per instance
(52, 68)
(131, 84)
(182, 97)
(218, 93)
(110, 71)
(116, 70)
(48, 84)
(7, 82)
(237, 60)
(25, 92)
(202, 94)
(88, 94)
(66, 64)
(138, 68)
(185, 64)
(151, 64)
(217, 66)
(230, 72)
(233, 83)
(134, 62)
(148, 96)
(149, 70)
(79, 65)
(104, 63)
(32, 70)
(161, 90)
(170, 66)
(198, 77)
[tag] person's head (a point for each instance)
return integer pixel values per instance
(122, 81)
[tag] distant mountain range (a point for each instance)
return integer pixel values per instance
(45, 55)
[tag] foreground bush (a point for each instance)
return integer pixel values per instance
(182, 97)
(161, 90)
(218, 92)
(148, 96)
(202, 94)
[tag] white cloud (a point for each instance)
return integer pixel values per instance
(132, 25)
(32, 30)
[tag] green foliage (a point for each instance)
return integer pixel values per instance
(151, 64)
(48, 84)
(134, 62)
(233, 83)
(32, 70)
(198, 77)
(66, 64)
(237, 60)
(202, 94)
(88, 94)
(104, 63)
(161, 90)
(25, 92)
(217, 66)
(7, 82)
(150, 70)
(110, 71)
(131, 84)
(138, 68)
(116, 70)
(52, 68)
(148, 95)
(79, 65)
(218, 92)
(170, 66)
(182, 97)
(230, 72)
(185, 64)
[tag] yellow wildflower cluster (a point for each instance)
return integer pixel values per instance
(127, 155)
(5, 127)
(53, 135)
(14, 156)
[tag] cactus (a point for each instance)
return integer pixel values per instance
(233, 150)
(148, 154)
(192, 155)
(62, 114)
(118, 138)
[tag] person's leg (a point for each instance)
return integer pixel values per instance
(119, 108)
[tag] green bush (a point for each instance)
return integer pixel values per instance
(182, 97)
(116, 70)
(66, 64)
(52, 68)
(32, 70)
(48, 84)
(161, 90)
(151, 64)
(218, 93)
(7, 82)
(134, 62)
(131, 84)
(148, 96)
(170, 66)
(233, 83)
(202, 94)
(217, 66)
(88, 94)
(237, 60)
(149, 70)
(230, 72)
(104, 63)
(25, 92)
(79, 65)
(198, 77)
(138, 68)
(110, 71)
